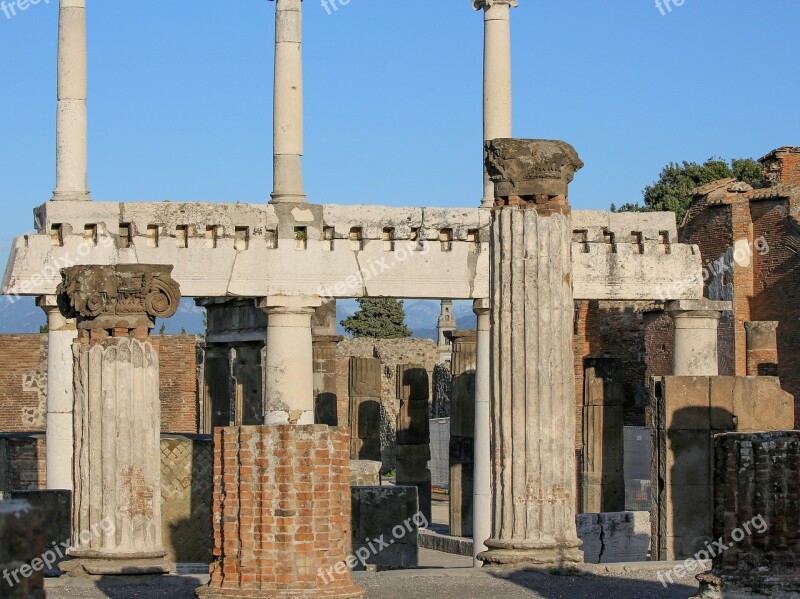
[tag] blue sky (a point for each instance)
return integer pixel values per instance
(180, 96)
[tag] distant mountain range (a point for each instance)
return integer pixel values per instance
(23, 316)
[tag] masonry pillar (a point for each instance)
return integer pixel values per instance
(533, 378)
(288, 103)
(462, 431)
(482, 476)
(323, 348)
(695, 346)
(365, 408)
(61, 332)
(496, 77)
(117, 422)
(413, 432)
(71, 116)
(762, 348)
(289, 392)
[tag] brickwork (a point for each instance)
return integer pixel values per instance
(282, 510)
(23, 383)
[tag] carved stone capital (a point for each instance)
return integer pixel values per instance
(129, 296)
(532, 170)
(487, 4)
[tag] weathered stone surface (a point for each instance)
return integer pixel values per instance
(365, 473)
(365, 408)
(54, 524)
(762, 348)
(117, 470)
(20, 545)
(695, 346)
(413, 432)
(390, 514)
(614, 537)
(122, 296)
(325, 374)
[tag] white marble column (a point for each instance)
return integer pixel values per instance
(695, 344)
(71, 118)
(289, 392)
(496, 77)
(482, 490)
(61, 333)
(288, 103)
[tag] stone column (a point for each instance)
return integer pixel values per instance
(61, 332)
(762, 348)
(365, 409)
(413, 432)
(117, 422)
(71, 119)
(482, 489)
(288, 103)
(496, 77)
(462, 431)
(695, 346)
(289, 392)
(533, 378)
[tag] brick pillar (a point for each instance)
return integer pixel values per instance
(762, 348)
(413, 432)
(365, 409)
(281, 513)
(462, 431)
(756, 489)
(18, 547)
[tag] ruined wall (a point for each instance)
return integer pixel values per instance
(23, 382)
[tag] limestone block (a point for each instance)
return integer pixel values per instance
(689, 512)
(689, 457)
(760, 404)
(614, 537)
(365, 473)
(687, 403)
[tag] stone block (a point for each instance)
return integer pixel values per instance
(365, 377)
(688, 457)
(365, 449)
(614, 537)
(413, 382)
(461, 502)
(413, 424)
(687, 403)
(365, 473)
(760, 404)
(365, 414)
(722, 388)
(690, 512)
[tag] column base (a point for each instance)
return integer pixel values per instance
(531, 553)
(143, 565)
(352, 592)
(288, 198)
(71, 196)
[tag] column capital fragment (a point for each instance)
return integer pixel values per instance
(487, 4)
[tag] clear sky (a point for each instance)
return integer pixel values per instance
(180, 96)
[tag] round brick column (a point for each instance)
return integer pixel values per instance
(281, 513)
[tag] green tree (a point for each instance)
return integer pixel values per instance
(673, 190)
(44, 328)
(163, 330)
(378, 318)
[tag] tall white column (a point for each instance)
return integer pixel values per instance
(71, 119)
(482, 489)
(287, 127)
(61, 333)
(496, 77)
(289, 392)
(695, 344)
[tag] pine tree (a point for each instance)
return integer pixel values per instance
(378, 318)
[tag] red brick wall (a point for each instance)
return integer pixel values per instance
(177, 355)
(23, 380)
(23, 364)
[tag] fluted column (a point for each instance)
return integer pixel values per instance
(287, 125)
(496, 77)
(533, 381)
(117, 418)
(71, 116)
(482, 499)
(289, 387)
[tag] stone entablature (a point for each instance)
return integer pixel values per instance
(251, 250)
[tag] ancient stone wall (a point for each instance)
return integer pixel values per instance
(22, 462)
(23, 382)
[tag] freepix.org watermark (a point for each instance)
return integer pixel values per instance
(57, 552)
(373, 547)
(756, 525)
(331, 6)
(10, 8)
(665, 6)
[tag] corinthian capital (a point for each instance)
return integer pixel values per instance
(487, 4)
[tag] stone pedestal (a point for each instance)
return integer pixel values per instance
(19, 549)
(365, 409)
(61, 332)
(413, 432)
(281, 513)
(533, 393)
(116, 512)
(71, 117)
(695, 345)
(462, 431)
(762, 348)
(756, 489)
(482, 497)
(289, 388)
